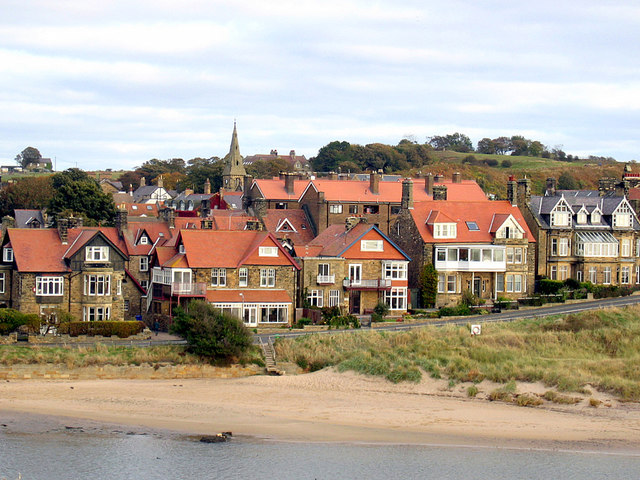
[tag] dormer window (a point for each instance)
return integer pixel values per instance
(444, 230)
(7, 254)
(144, 240)
(97, 254)
(561, 216)
(622, 217)
(581, 218)
(595, 217)
(181, 249)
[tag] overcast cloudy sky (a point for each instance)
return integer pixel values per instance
(114, 83)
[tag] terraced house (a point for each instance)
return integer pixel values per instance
(244, 273)
(484, 247)
(587, 235)
(80, 270)
(354, 266)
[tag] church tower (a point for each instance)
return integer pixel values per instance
(233, 172)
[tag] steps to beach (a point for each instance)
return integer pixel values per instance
(270, 358)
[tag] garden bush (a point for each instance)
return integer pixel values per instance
(102, 328)
(11, 319)
(550, 287)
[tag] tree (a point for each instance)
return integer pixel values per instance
(211, 333)
(566, 181)
(331, 155)
(269, 168)
(486, 146)
(199, 169)
(27, 192)
(428, 284)
(27, 156)
(78, 193)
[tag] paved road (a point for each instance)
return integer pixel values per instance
(507, 316)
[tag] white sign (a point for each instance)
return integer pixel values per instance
(476, 329)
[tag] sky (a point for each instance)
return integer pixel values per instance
(112, 84)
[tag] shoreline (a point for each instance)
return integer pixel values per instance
(322, 407)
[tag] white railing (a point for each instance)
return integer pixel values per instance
(324, 279)
(378, 283)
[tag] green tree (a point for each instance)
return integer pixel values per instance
(269, 168)
(27, 192)
(78, 193)
(199, 169)
(332, 155)
(209, 332)
(566, 181)
(27, 156)
(487, 146)
(428, 284)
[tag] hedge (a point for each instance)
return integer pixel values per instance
(103, 328)
(11, 319)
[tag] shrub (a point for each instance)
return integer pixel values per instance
(506, 163)
(492, 162)
(472, 391)
(11, 319)
(302, 322)
(528, 400)
(210, 333)
(572, 284)
(105, 329)
(555, 397)
(594, 402)
(550, 287)
(329, 312)
(381, 309)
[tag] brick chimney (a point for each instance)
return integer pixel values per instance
(333, 176)
(289, 183)
(160, 182)
(428, 184)
(439, 177)
(143, 182)
(512, 191)
(206, 224)
(63, 230)
(524, 192)
(121, 221)
(440, 192)
(260, 207)
(207, 187)
(374, 183)
(407, 194)
(171, 218)
(551, 187)
(457, 177)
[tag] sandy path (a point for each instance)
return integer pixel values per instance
(327, 406)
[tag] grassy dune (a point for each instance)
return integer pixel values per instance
(600, 348)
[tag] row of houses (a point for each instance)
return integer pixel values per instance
(265, 249)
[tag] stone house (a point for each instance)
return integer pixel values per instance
(353, 266)
(587, 235)
(484, 246)
(80, 270)
(246, 273)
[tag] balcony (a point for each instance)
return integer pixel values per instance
(326, 279)
(189, 289)
(377, 284)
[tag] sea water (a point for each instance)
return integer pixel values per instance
(75, 455)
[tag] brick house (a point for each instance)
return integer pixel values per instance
(482, 246)
(79, 270)
(246, 273)
(354, 266)
(588, 235)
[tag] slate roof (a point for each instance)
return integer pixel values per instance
(24, 217)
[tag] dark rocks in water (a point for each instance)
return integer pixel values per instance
(219, 438)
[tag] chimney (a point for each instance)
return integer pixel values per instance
(524, 192)
(121, 221)
(333, 176)
(512, 191)
(143, 182)
(246, 197)
(206, 224)
(160, 182)
(551, 187)
(260, 207)
(171, 219)
(374, 183)
(428, 184)
(439, 192)
(187, 191)
(63, 230)
(207, 187)
(282, 175)
(439, 177)
(74, 222)
(292, 154)
(407, 194)
(130, 189)
(289, 183)
(457, 177)
(351, 222)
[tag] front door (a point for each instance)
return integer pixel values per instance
(477, 286)
(354, 302)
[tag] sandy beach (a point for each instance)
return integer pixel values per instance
(325, 406)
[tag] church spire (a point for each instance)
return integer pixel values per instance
(233, 172)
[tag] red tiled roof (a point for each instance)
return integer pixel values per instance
(250, 296)
(273, 189)
(140, 209)
(276, 222)
(634, 194)
(489, 215)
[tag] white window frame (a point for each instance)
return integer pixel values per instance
(563, 247)
(268, 277)
(445, 230)
(144, 264)
(96, 314)
(335, 208)
(371, 245)
(334, 298)
(394, 270)
(268, 251)
(316, 298)
(7, 254)
(500, 282)
(243, 277)
(119, 287)
(396, 298)
(97, 254)
(97, 285)
(563, 272)
(355, 273)
(49, 286)
(218, 277)
(553, 274)
(144, 240)
(452, 282)
(625, 275)
(606, 280)
(625, 247)
(593, 275)
(2, 282)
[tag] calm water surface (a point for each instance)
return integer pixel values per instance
(88, 456)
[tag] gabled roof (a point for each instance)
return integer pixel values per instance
(24, 218)
(336, 240)
(140, 209)
(488, 215)
(273, 189)
(278, 222)
(437, 216)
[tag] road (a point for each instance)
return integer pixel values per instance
(508, 316)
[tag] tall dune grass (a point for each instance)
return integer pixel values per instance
(600, 348)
